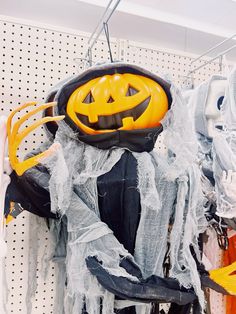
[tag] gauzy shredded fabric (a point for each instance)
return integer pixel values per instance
(170, 193)
(224, 149)
(198, 103)
(217, 154)
(208, 161)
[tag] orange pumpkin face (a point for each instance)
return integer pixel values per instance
(117, 102)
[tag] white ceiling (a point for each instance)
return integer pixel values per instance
(187, 25)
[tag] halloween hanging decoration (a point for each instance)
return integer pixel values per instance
(217, 164)
(225, 177)
(124, 209)
(117, 102)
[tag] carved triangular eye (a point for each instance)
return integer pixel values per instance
(88, 99)
(131, 91)
(110, 99)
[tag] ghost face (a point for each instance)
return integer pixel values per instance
(214, 102)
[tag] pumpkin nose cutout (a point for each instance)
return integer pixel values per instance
(110, 100)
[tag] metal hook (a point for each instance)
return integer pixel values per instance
(83, 62)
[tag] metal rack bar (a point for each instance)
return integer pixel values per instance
(218, 56)
(212, 59)
(213, 48)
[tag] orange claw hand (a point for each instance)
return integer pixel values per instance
(225, 277)
(15, 136)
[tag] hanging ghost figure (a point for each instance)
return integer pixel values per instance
(214, 116)
(225, 174)
(207, 100)
(117, 208)
(225, 157)
(214, 108)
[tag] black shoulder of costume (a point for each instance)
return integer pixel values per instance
(32, 197)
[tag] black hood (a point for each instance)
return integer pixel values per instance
(135, 140)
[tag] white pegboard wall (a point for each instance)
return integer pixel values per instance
(174, 66)
(32, 60)
(16, 263)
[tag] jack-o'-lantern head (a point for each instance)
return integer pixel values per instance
(108, 102)
(117, 102)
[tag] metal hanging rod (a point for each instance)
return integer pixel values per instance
(99, 28)
(213, 59)
(213, 48)
(218, 56)
(99, 22)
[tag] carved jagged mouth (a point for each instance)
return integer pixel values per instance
(115, 121)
